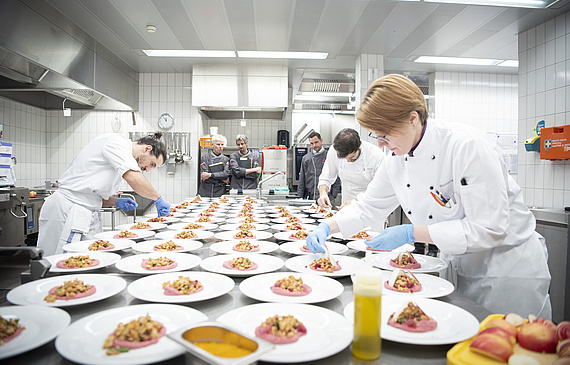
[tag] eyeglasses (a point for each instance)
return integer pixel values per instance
(383, 138)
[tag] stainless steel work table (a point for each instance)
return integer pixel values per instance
(392, 352)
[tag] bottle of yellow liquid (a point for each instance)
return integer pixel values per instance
(367, 287)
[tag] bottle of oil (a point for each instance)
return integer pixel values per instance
(367, 287)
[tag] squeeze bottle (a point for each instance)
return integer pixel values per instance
(367, 288)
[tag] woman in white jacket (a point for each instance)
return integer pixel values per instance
(453, 186)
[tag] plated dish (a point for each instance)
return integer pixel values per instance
(327, 332)
(134, 264)
(197, 234)
(82, 341)
(83, 246)
(194, 225)
(242, 219)
(186, 245)
(454, 324)
(301, 264)
(154, 218)
(228, 246)
(359, 245)
(432, 286)
(265, 264)
(301, 220)
(258, 287)
(138, 234)
(428, 263)
(236, 226)
(42, 325)
(231, 235)
(362, 235)
(104, 259)
(287, 227)
(296, 248)
(291, 235)
(35, 292)
(150, 288)
(135, 227)
(216, 220)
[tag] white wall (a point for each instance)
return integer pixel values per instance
(544, 94)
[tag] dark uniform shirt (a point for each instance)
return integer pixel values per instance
(238, 164)
(311, 167)
(219, 167)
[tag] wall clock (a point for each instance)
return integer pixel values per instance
(166, 121)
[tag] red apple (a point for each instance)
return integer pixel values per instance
(538, 337)
(33, 194)
(500, 332)
(493, 346)
(514, 319)
(563, 348)
(504, 325)
(563, 330)
(546, 322)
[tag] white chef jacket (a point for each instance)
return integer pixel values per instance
(485, 230)
(95, 174)
(355, 175)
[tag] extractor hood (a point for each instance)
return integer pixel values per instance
(240, 92)
(41, 64)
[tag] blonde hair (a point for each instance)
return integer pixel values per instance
(388, 103)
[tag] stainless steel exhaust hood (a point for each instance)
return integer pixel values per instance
(240, 92)
(41, 64)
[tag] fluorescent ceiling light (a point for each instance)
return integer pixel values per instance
(458, 61)
(187, 53)
(508, 3)
(317, 93)
(509, 63)
(272, 54)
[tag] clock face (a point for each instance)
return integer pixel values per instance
(166, 121)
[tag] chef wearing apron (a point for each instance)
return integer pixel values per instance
(354, 161)
(73, 213)
(454, 187)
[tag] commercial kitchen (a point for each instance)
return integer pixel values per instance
(275, 71)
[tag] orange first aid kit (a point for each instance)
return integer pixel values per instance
(555, 143)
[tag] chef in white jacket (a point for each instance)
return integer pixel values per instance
(351, 159)
(454, 187)
(72, 213)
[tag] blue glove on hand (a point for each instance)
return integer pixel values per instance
(162, 207)
(316, 239)
(393, 237)
(126, 204)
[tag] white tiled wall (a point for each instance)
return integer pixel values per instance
(25, 128)
(544, 94)
(258, 132)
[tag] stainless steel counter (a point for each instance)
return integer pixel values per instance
(392, 352)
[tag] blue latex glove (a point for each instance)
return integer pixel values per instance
(316, 239)
(126, 204)
(162, 207)
(393, 237)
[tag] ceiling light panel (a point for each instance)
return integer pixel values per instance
(458, 61)
(287, 55)
(537, 4)
(188, 53)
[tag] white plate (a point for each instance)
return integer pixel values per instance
(34, 292)
(240, 220)
(294, 248)
(359, 245)
(228, 246)
(327, 332)
(258, 287)
(230, 235)
(216, 220)
(169, 217)
(429, 264)
(83, 246)
(196, 214)
(169, 235)
(286, 236)
(148, 246)
(454, 324)
(432, 286)
(105, 259)
(291, 214)
(265, 264)
(82, 341)
(341, 237)
(235, 226)
(133, 264)
(180, 226)
(301, 220)
(149, 288)
(153, 226)
(42, 324)
(301, 264)
(167, 220)
(283, 227)
(141, 234)
(319, 215)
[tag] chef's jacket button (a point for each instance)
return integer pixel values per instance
(408, 185)
(431, 187)
(433, 157)
(430, 216)
(409, 212)
(405, 159)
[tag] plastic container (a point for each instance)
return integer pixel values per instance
(367, 288)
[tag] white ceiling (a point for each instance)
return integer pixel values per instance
(344, 28)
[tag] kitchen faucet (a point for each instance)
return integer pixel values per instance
(264, 180)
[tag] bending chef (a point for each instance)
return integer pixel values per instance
(73, 213)
(454, 187)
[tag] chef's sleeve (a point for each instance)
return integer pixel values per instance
(480, 181)
(225, 173)
(118, 153)
(330, 169)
